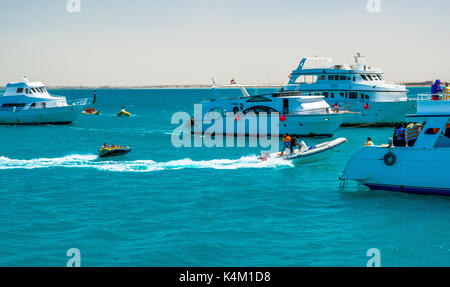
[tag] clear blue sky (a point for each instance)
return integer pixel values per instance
(145, 42)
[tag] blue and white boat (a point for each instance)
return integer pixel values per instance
(417, 169)
(266, 114)
(358, 88)
(29, 103)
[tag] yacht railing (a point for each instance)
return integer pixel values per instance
(429, 97)
(81, 102)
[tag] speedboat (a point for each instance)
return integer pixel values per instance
(266, 114)
(305, 153)
(417, 169)
(113, 151)
(358, 88)
(29, 103)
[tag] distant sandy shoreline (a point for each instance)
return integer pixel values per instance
(162, 87)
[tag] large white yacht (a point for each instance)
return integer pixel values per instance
(417, 169)
(28, 103)
(288, 112)
(358, 88)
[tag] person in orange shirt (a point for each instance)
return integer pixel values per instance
(286, 143)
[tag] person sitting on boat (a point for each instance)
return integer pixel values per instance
(105, 145)
(335, 107)
(436, 89)
(369, 142)
(412, 133)
(286, 143)
(399, 135)
(114, 146)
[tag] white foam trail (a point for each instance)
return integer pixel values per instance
(91, 161)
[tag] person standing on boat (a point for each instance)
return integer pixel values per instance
(435, 90)
(446, 95)
(294, 143)
(411, 134)
(286, 143)
(399, 135)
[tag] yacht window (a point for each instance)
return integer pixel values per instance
(325, 94)
(369, 77)
(27, 91)
(34, 91)
(342, 95)
(362, 96)
(330, 77)
(431, 131)
(19, 90)
(306, 79)
(353, 95)
(343, 78)
(258, 99)
(259, 109)
(332, 95)
(13, 105)
(364, 77)
(354, 78)
(444, 138)
(43, 104)
(379, 77)
(322, 78)
(367, 97)
(32, 105)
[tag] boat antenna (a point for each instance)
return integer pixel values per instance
(214, 82)
(25, 79)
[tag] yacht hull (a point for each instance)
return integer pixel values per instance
(57, 115)
(378, 113)
(301, 125)
(407, 174)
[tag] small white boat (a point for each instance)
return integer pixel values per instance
(307, 153)
(29, 103)
(266, 114)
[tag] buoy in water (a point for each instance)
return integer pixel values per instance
(282, 118)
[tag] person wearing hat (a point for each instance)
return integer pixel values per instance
(436, 89)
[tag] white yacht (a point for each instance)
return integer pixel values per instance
(29, 103)
(289, 112)
(417, 169)
(358, 88)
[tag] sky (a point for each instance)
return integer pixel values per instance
(147, 42)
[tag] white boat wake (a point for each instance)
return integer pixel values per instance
(92, 161)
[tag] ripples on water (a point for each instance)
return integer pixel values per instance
(162, 206)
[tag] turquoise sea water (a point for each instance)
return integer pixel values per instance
(163, 206)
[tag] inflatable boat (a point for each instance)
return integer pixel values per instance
(123, 113)
(90, 112)
(110, 151)
(306, 153)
